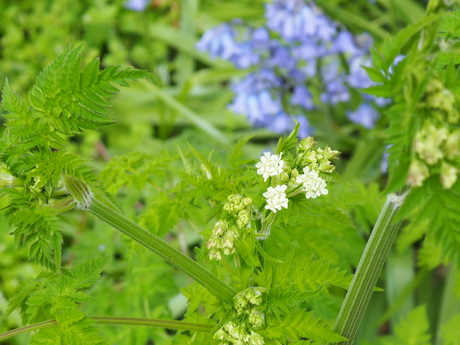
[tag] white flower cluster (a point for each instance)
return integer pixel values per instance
(276, 198)
(270, 165)
(245, 302)
(312, 184)
(223, 240)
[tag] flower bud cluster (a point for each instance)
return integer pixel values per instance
(437, 149)
(442, 100)
(312, 161)
(223, 240)
(317, 158)
(437, 144)
(226, 231)
(250, 318)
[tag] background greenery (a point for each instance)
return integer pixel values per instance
(191, 107)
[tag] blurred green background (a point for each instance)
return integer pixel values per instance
(189, 107)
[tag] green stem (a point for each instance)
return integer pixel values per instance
(368, 271)
(450, 304)
(170, 324)
(177, 259)
(103, 209)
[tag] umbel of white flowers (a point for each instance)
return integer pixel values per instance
(287, 181)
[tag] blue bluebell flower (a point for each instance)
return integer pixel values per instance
(136, 5)
(358, 76)
(335, 92)
(302, 96)
(281, 57)
(291, 19)
(344, 43)
(297, 39)
(219, 42)
(257, 97)
(366, 115)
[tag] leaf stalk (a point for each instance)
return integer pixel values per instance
(169, 324)
(368, 271)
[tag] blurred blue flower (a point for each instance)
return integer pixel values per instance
(366, 115)
(292, 19)
(326, 29)
(281, 123)
(358, 76)
(281, 56)
(136, 5)
(219, 42)
(336, 91)
(302, 96)
(286, 55)
(344, 43)
(257, 97)
(309, 50)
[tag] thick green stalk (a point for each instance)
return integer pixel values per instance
(170, 324)
(102, 209)
(368, 271)
(177, 259)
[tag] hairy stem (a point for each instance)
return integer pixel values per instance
(368, 271)
(170, 324)
(96, 204)
(177, 259)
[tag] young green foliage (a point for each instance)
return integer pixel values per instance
(65, 100)
(423, 134)
(56, 296)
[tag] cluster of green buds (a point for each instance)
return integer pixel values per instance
(316, 158)
(441, 101)
(249, 318)
(222, 241)
(437, 145)
(226, 231)
(311, 161)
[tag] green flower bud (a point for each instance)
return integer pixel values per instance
(214, 254)
(243, 219)
(220, 227)
(256, 339)
(418, 172)
(254, 294)
(294, 173)
(284, 176)
(329, 153)
(326, 167)
(307, 143)
(309, 159)
(428, 142)
(434, 85)
(240, 302)
(238, 332)
(448, 175)
(452, 145)
(220, 334)
(443, 100)
(247, 202)
(256, 318)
